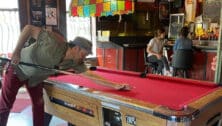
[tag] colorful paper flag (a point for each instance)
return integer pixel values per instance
(92, 1)
(99, 1)
(74, 3)
(86, 11)
(80, 2)
(80, 10)
(99, 8)
(121, 5)
(86, 2)
(113, 5)
(88, 8)
(92, 9)
(109, 13)
(106, 6)
(74, 11)
(128, 5)
(103, 14)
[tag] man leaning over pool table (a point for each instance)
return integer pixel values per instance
(50, 50)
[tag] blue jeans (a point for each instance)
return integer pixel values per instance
(162, 63)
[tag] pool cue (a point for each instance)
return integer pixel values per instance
(117, 86)
(105, 82)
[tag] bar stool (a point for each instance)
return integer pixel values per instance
(182, 61)
(152, 65)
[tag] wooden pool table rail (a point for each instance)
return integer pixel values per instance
(195, 112)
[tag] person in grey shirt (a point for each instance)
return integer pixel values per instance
(50, 50)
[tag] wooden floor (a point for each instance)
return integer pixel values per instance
(24, 118)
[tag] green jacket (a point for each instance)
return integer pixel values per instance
(48, 52)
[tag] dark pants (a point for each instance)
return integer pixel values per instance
(10, 87)
(47, 119)
(162, 63)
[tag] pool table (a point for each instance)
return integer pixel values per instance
(153, 101)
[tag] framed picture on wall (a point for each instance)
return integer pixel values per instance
(164, 10)
(51, 16)
(37, 12)
(37, 17)
(51, 12)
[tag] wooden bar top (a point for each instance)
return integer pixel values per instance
(199, 44)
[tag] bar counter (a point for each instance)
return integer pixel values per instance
(199, 44)
(128, 55)
(204, 51)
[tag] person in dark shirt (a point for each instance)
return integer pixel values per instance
(183, 42)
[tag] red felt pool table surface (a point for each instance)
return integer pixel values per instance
(174, 93)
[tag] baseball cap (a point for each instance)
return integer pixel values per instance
(83, 43)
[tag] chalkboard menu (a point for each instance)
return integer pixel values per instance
(211, 10)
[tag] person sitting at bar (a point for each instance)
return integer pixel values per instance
(183, 42)
(155, 51)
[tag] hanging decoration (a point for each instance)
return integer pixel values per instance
(87, 8)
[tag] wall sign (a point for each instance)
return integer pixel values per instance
(37, 12)
(43, 12)
(163, 10)
(51, 12)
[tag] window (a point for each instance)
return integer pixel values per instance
(9, 25)
(81, 26)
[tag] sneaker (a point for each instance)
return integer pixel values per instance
(168, 73)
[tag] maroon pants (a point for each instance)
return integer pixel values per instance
(10, 87)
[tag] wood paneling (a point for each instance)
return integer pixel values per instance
(24, 14)
(130, 59)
